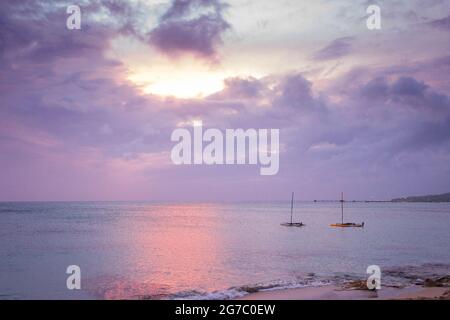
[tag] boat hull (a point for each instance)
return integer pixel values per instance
(295, 224)
(347, 225)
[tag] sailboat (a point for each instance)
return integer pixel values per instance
(347, 224)
(293, 224)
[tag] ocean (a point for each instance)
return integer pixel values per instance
(145, 250)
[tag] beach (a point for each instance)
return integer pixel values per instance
(332, 292)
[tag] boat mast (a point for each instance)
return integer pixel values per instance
(342, 207)
(292, 205)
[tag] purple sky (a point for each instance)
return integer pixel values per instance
(87, 114)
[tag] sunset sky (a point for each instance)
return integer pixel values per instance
(87, 114)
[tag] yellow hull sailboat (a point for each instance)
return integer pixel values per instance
(346, 224)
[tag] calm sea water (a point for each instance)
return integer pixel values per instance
(156, 250)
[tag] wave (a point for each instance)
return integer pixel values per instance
(392, 277)
(240, 291)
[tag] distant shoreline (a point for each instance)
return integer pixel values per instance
(435, 198)
(444, 197)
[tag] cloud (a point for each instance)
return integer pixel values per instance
(238, 87)
(295, 91)
(443, 24)
(191, 26)
(72, 127)
(338, 48)
(406, 92)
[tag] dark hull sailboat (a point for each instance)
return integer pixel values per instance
(293, 224)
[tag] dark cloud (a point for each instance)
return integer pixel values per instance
(443, 24)
(408, 86)
(336, 49)
(191, 26)
(295, 91)
(375, 89)
(36, 32)
(406, 92)
(58, 81)
(431, 134)
(238, 88)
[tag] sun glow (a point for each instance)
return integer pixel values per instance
(180, 85)
(185, 78)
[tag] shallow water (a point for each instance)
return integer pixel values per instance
(156, 250)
